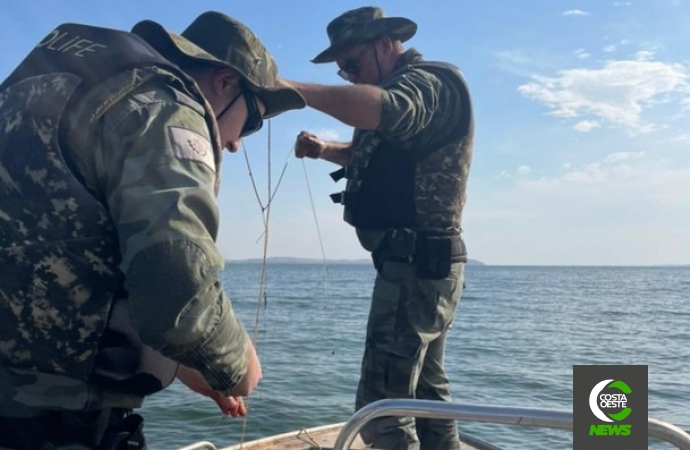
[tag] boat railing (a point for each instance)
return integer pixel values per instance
(203, 445)
(535, 417)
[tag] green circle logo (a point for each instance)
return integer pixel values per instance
(612, 401)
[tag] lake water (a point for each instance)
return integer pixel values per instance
(516, 336)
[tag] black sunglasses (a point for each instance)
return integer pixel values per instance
(254, 120)
(351, 68)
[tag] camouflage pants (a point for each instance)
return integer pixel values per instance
(404, 355)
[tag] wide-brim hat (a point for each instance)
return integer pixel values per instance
(361, 25)
(217, 39)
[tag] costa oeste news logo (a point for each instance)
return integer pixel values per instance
(609, 407)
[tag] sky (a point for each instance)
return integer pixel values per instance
(582, 113)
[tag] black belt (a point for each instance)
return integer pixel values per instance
(432, 253)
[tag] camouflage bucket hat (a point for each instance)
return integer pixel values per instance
(360, 25)
(221, 40)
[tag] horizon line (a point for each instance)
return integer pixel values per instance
(472, 261)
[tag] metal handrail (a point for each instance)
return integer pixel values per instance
(203, 445)
(535, 417)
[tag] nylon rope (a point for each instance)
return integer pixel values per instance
(266, 216)
(326, 268)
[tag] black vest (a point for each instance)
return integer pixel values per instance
(62, 301)
(381, 188)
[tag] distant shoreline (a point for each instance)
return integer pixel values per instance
(471, 262)
(292, 260)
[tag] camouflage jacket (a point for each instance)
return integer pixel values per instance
(108, 262)
(412, 171)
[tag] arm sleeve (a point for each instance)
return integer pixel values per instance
(409, 103)
(157, 172)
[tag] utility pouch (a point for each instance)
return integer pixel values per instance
(128, 434)
(398, 245)
(402, 242)
(434, 257)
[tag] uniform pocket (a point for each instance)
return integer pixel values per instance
(433, 306)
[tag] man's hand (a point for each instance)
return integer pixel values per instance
(195, 381)
(307, 144)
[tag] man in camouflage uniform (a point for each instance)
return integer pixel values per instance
(110, 152)
(406, 168)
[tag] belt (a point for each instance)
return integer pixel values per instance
(432, 253)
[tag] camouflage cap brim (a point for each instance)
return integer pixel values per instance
(398, 27)
(172, 46)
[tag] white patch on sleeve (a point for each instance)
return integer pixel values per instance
(190, 145)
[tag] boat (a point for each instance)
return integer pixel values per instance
(344, 436)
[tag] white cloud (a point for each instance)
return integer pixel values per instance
(592, 173)
(621, 156)
(515, 62)
(513, 57)
(523, 170)
(622, 208)
(609, 48)
(585, 126)
(617, 93)
(520, 171)
(580, 53)
(604, 170)
(618, 4)
(524, 62)
(680, 138)
(644, 55)
(575, 12)
(622, 183)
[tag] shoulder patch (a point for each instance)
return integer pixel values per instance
(188, 144)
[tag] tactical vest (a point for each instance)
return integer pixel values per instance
(383, 189)
(62, 301)
(413, 192)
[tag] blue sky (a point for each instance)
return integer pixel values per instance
(582, 111)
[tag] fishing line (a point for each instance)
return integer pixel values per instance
(221, 420)
(313, 211)
(275, 191)
(266, 215)
(323, 253)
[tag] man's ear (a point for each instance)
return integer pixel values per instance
(387, 44)
(226, 81)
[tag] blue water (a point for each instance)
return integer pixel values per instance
(517, 334)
